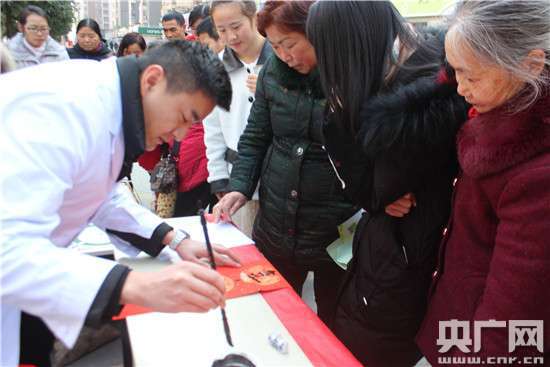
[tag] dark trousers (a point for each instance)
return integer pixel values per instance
(36, 341)
(326, 283)
(189, 202)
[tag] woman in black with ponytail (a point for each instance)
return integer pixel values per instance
(392, 116)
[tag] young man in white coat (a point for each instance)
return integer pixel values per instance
(68, 132)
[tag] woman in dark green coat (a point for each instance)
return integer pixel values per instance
(301, 196)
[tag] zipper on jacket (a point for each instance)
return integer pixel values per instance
(334, 168)
(405, 253)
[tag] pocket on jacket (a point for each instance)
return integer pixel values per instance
(381, 251)
(384, 278)
(397, 310)
(318, 182)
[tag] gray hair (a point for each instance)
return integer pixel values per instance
(503, 32)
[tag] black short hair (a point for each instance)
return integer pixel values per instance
(207, 26)
(248, 7)
(174, 15)
(198, 12)
(128, 40)
(191, 67)
(31, 9)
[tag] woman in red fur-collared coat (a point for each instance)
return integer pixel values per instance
(495, 257)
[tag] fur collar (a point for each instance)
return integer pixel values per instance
(497, 140)
(414, 118)
(419, 112)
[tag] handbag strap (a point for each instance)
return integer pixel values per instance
(164, 150)
(176, 148)
(175, 152)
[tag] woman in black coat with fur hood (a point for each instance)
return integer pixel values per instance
(392, 116)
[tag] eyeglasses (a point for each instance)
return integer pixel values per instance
(38, 29)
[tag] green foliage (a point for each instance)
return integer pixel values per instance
(61, 16)
(422, 8)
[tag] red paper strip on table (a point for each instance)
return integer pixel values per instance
(255, 275)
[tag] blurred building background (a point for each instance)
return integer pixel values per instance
(422, 13)
(118, 17)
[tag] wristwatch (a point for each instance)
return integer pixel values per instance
(178, 237)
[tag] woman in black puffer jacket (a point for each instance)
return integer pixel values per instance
(90, 43)
(392, 119)
(301, 199)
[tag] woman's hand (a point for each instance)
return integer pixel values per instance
(401, 206)
(196, 252)
(228, 205)
(251, 83)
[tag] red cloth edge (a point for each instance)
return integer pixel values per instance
(325, 350)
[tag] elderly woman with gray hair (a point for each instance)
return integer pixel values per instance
(494, 261)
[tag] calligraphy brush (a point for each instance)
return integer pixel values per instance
(213, 265)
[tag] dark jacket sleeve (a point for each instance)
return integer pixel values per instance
(405, 136)
(219, 186)
(107, 301)
(152, 246)
(253, 144)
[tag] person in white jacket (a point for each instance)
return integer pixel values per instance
(33, 44)
(245, 52)
(69, 131)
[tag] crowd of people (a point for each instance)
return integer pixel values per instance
(288, 120)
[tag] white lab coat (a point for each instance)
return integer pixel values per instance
(61, 149)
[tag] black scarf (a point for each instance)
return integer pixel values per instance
(132, 113)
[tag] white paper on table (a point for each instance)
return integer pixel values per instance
(225, 234)
(193, 339)
(144, 262)
(93, 241)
